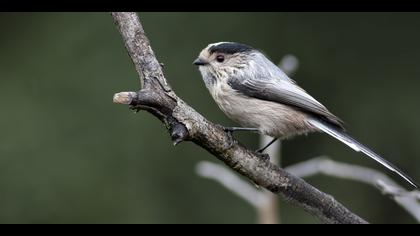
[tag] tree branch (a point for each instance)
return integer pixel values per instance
(184, 123)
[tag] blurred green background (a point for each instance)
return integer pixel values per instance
(69, 155)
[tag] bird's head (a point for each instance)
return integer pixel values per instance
(224, 59)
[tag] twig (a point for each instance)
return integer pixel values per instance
(408, 200)
(184, 123)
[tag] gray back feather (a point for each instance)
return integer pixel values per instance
(264, 80)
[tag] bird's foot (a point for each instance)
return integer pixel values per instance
(263, 156)
(261, 150)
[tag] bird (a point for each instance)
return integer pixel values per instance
(256, 94)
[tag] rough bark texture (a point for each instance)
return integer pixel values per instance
(184, 123)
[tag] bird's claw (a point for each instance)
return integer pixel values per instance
(263, 156)
(233, 129)
(228, 130)
(260, 151)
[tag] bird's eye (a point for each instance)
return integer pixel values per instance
(220, 58)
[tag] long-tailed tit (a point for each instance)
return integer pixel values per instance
(258, 95)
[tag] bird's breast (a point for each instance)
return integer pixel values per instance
(274, 119)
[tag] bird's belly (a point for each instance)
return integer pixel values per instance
(270, 118)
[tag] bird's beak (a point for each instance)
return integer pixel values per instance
(200, 62)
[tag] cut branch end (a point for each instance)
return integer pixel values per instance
(125, 98)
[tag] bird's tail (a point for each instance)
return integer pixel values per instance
(358, 147)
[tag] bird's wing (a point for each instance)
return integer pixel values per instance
(284, 92)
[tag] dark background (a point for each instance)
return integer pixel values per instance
(69, 155)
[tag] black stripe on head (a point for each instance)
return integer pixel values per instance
(230, 48)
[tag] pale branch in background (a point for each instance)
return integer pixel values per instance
(395, 191)
(268, 212)
(262, 201)
(408, 200)
(289, 64)
(184, 123)
(231, 182)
